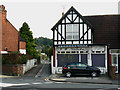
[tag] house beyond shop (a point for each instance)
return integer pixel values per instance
(74, 41)
(107, 30)
(9, 36)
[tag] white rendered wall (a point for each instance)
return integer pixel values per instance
(4, 52)
(22, 51)
(30, 64)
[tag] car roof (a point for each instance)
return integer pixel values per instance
(75, 63)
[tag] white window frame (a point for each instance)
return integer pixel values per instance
(73, 32)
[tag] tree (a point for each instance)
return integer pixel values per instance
(46, 45)
(50, 52)
(26, 34)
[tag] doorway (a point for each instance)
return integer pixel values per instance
(116, 62)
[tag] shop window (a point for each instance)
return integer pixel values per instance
(62, 51)
(58, 51)
(81, 51)
(67, 51)
(98, 51)
(103, 51)
(73, 51)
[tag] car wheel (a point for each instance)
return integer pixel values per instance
(68, 74)
(93, 74)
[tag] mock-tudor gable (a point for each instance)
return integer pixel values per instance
(72, 28)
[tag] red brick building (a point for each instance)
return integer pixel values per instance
(9, 35)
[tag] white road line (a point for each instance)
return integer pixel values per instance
(10, 84)
(37, 83)
(40, 71)
(48, 82)
(59, 82)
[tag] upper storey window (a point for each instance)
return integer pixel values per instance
(72, 32)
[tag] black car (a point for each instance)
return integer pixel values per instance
(80, 69)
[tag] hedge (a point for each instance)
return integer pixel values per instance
(15, 58)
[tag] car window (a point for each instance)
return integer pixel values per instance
(80, 65)
(73, 65)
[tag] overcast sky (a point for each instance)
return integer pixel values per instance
(42, 15)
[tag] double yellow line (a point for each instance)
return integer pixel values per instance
(47, 79)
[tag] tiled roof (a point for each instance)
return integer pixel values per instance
(106, 29)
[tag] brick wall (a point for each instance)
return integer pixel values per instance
(10, 36)
(22, 45)
(16, 70)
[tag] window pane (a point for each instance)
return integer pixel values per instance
(75, 28)
(69, 36)
(69, 28)
(75, 36)
(114, 59)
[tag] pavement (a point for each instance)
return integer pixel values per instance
(103, 79)
(6, 76)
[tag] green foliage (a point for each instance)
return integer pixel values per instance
(14, 59)
(30, 42)
(41, 41)
(46, 45)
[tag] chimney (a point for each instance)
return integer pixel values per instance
(3, 12)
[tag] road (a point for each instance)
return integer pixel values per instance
(31, 81)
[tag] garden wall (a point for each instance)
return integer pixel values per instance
(18, 69)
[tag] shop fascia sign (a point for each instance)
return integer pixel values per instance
(72, 45)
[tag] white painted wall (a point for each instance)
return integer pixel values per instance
(4, 52)
(30, 64)
(22, 51)
(53, 69)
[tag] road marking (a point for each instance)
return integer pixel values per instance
(40, 70)
(10, 84)
(59, 82)
(59, 79)
(47, 79)
(37, 83)
(48, 82)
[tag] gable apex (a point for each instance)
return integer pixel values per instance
(68, 12)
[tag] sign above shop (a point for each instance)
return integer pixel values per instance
(72, 45)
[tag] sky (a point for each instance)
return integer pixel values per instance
(42, 15)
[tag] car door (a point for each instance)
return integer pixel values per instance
(82, 69)
(73, 68)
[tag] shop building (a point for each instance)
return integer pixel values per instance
(73, 41)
